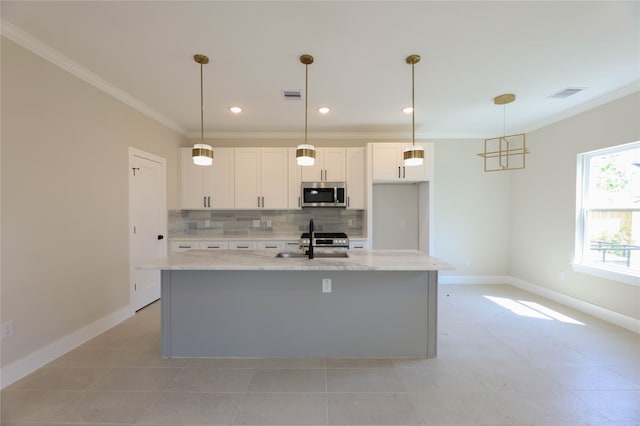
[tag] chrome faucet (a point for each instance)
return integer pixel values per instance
(310, 251)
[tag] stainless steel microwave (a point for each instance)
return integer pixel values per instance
(324, 194)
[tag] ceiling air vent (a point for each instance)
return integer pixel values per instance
(291, 95)
(565, 93)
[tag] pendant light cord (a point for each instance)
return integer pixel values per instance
(306, 99)
(201, 107)
(413, 108)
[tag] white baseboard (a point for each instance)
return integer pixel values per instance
(473, 279)
(30, 363)
(608, 315)
(605, 314)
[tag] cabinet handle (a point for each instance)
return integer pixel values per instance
(398, 172)
(242, 247)
(404, 172)
(348, 201)
(299, 204)
(184, 246)
(262, 201)
(208, 201)
(204, 201)
(270, 246)
(258, 201)
(213, 246)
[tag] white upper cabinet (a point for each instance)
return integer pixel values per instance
(387, 163)
(330, 165)
(207, 187)
(355, 159)
(295, 179)
(261, 178)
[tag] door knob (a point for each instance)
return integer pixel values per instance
(160, 237)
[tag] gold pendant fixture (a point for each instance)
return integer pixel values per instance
(414, 155)
(507, 152)
(202, 153)
(306, 153)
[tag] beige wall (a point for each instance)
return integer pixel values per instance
(543, 204)
(65, 199)
(471, 223)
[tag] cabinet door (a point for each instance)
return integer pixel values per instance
(294, 180)
(385, 161)
(334, 164)
(221, 179)
(193, 182)
(313, 173)
(273, 183)
(247, 178)
(355, 178)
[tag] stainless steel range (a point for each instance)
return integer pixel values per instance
(325, 239)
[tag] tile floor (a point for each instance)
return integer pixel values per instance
(516, 365)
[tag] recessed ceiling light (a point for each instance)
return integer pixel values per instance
(324, 110)
(235, 109)
(407, 110)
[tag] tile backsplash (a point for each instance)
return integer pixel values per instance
(264, 223)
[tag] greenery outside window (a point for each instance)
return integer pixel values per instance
(608, 212)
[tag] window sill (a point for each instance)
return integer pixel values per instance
(611, 273)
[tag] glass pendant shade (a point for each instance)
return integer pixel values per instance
(413, 155)
(305, 155)
(202, 154)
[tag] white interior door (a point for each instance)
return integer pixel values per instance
(147, 212)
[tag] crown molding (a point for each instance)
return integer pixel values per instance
(48, 53)
(319, 135)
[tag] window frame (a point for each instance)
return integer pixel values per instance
(579, 264)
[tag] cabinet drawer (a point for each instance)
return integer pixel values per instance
(292, 245)
(242, 245)
(358, 244)
(180, 246)
(271, 245)
(214, 245)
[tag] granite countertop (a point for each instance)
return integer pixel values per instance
(245, 237)
(260, 260)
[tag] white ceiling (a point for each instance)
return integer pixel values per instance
(142, 51)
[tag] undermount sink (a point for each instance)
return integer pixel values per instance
(298, 255)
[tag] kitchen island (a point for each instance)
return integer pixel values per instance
(381, 303)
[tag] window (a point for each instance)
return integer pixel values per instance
(608, 206)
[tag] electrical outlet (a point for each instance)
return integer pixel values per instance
(326, 285)
(256, 224)
(6, 329)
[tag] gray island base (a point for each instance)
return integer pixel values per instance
(382, 304)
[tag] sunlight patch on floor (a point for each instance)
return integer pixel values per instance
(531, 309)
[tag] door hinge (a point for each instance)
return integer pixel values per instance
(134, 170)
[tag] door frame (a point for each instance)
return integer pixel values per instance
(133, 153)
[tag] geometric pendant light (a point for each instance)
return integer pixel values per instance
(306, 153)
(413, 155)
(506, 152)
(202, 153)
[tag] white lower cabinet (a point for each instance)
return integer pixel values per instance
(180, 246)
(271, 245)
(214, 245)
(243, 245)
(358, 244)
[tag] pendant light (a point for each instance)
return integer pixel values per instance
(306, 153)
(202, 153)
(413, 155)
(506, 152)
